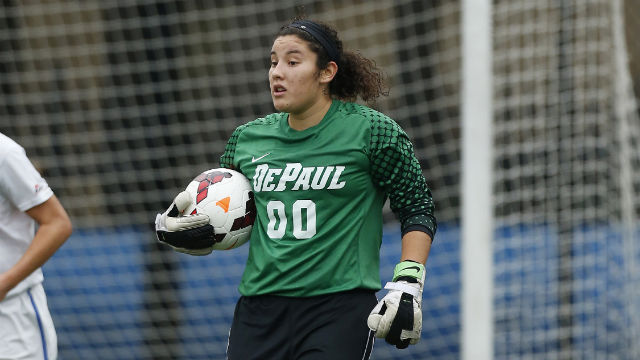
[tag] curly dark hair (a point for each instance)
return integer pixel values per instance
(356, 76)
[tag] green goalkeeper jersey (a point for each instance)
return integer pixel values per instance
(319, 195)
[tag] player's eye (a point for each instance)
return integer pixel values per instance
(293, 63)
(274, 63)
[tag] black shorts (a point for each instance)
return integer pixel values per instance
(322, 327)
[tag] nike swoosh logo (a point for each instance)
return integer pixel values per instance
(254, 159)
(413, 267)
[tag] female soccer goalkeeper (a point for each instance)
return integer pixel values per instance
(322, 168)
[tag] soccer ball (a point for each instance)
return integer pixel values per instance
(225, 195)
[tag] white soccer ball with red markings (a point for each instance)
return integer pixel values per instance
(226, 196)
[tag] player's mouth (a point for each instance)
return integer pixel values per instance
(278, 90)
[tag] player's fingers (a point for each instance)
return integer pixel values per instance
(200, 252)
(373, 322)
(374, 317)
(386, 320)
(160, 222)
(193, 220)
(186, 222)
(417, 326)
(182, 201)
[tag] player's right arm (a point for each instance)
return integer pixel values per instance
(191, 234)
(227, 159)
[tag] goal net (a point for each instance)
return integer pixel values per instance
(566, 180)
(121, 104)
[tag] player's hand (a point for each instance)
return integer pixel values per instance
(190, 234)
(398, 316)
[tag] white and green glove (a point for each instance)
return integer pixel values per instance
(398, 316)
(189, 234)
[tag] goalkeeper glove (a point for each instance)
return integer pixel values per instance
(398, 316)
(189, 234)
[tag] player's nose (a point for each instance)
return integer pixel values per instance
(275, 72)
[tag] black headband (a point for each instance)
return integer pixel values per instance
(320, 35)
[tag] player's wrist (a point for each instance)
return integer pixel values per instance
(410, 271)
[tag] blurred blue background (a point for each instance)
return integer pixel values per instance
(101, 314)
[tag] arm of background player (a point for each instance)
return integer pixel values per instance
(54, 229)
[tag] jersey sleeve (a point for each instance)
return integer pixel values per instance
(21, 183)
(395, 168)
(227, 159)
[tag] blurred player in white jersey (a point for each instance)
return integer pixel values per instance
(33, 225)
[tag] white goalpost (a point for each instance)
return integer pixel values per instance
(477, 205)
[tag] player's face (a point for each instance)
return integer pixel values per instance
(293, 76)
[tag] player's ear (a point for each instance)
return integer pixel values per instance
(329, 72)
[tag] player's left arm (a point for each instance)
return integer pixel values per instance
(398, 316)
(416, 246)
(396, 170)
(54, 229)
